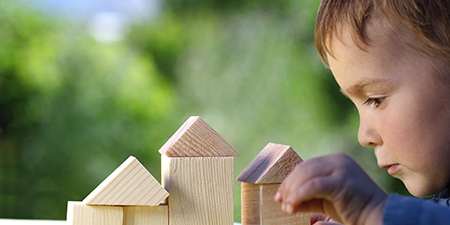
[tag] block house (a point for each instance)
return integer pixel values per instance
(260, 181)
(197, 171)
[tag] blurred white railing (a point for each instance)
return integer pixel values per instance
(38, 222)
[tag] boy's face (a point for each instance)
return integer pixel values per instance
(404, 109)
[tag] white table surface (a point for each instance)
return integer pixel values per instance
(38, 222)
(31, 222)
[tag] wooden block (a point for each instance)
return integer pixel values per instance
(80, 214)
(130, 184)
(146, 215)
(271, 165)
(260, 208)
(195, 138)
(261, 179)
(250, 199)
(201, 189)
(271, 213)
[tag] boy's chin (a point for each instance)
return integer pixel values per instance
(421, 191)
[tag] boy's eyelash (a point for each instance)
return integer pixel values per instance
(374, 101)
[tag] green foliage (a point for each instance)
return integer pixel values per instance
(220, 6)
(71, 110)
(163, 40)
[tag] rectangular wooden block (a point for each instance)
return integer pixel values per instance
(260, 208)
(271, 213)
(250, 195)
(201, 190)
(80, 214)
(146, 215)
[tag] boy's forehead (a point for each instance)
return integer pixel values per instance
(355, 65)
(341, 42)
(346, 39)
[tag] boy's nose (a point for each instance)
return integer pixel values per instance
(368, 135)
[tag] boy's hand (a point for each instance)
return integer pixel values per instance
(334, 185)
(322, 219)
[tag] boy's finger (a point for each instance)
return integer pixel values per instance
(326, 223)
(316, 188)
(301, 174)
(278, 196)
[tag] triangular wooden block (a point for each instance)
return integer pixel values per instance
(129, 185)
(271, 165)
(195, 138)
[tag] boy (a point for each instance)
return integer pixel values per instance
(391, 58)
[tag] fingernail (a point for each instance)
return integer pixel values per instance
(278, 197)
(289, 209)
(283, 207)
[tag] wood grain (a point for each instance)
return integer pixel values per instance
(260, 181)
(201, 190)
(130, 184)
(260, 208)
(146, 215)
(271, 165)
(250, 200)
(80, 214)
(195, 138)
(270, 210)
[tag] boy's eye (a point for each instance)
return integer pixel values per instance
(374, 101)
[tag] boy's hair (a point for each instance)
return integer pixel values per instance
(422, 26)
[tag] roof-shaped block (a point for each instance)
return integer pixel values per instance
(129, 185)
(195, 138)
(271, 165)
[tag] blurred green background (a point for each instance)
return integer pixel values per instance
(81, 90)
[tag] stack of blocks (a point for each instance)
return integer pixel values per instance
(260, 181)
(197, 186)
(197, 171)
(130, 195)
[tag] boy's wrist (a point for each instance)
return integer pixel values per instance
(374, 212)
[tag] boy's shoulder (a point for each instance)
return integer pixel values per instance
(442, 198)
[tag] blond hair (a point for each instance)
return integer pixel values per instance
(422, 26)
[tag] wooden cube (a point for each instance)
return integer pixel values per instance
(201, 190)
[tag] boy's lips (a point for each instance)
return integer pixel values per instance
(391, 168)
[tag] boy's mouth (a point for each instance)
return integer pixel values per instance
(391, 168)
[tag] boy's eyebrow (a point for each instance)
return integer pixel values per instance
(364, 85)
